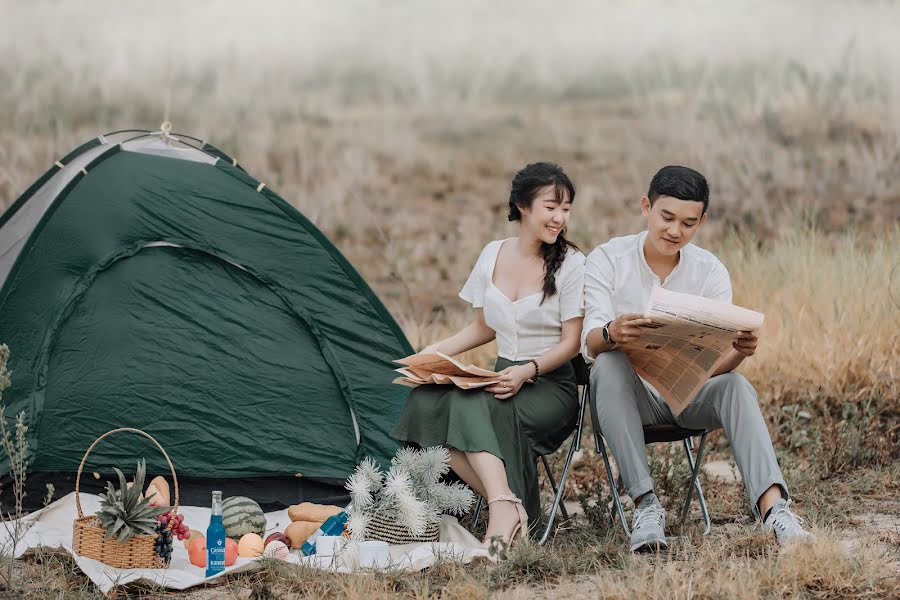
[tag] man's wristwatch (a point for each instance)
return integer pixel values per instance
(606, 337)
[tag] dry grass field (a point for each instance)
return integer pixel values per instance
(396, 126)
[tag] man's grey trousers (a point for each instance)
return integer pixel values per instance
(621, 403)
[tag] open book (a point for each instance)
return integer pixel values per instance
(678, 352)
(439, 368)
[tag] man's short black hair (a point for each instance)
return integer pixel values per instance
(679, 182)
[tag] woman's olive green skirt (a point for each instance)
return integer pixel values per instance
(533, 422)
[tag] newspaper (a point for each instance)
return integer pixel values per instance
(688, 336)
(437, 367)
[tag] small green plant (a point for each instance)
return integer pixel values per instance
(595, 503)
(850, 442)
(15, 446)
(530, 564)
(48, 497)
(670, 473)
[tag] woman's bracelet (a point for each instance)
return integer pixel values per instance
(537, 369)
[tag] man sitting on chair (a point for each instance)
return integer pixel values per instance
(619, 276)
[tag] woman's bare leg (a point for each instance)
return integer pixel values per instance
(503, 516)
(460, 465)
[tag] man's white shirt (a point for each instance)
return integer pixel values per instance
(618, 280)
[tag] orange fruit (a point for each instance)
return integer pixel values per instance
(231, 551)
(197, 552)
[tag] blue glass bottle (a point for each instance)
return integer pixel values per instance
(334, 525)
(215, 538)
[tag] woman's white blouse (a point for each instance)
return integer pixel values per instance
(526, 328)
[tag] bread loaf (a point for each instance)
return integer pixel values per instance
(158, 492)
(299, 531)
(307, 511)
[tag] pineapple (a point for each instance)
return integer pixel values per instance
(124, 512)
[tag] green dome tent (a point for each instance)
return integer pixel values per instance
(148, 281)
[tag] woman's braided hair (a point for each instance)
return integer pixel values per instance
(525, 186)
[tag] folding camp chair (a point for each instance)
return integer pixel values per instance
(654, 434)
(582, 378)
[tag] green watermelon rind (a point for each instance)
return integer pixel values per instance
(242, 515)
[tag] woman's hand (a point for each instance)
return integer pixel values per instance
(511, 380)
(430, 349)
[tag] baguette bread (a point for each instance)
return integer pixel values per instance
(317, 513)
(299, 531)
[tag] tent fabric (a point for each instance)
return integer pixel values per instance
(168, 294)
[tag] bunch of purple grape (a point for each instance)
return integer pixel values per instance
(163, 544)
(176, 525)
(165, 526)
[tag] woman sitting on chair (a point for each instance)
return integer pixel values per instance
(527, 292)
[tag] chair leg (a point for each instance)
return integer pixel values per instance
(695, 465)
(478, 507)
(704, 510)
(558, 490)
(601, 447)
(553, 485)
(687, 442)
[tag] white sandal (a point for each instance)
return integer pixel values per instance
(521, 527)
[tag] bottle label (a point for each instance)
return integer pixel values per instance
(216, 556)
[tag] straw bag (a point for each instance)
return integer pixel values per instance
(89, 538)
(389, 531)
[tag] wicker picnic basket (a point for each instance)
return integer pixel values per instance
(89, 538)
(384, 530)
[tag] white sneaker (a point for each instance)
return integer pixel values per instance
(787, 526)
(648, 525)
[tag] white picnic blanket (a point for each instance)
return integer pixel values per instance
(52, 528)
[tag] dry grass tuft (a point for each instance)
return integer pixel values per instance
(821, 571)
(832, 320)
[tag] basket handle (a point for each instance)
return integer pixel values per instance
(97, 441)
